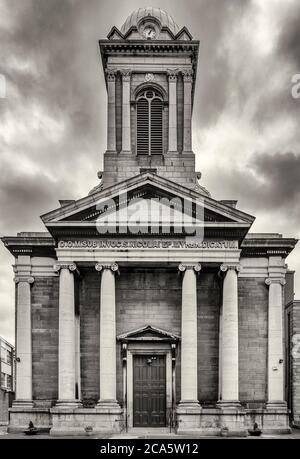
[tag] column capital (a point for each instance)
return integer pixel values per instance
(275, 280)
(184, 266)
(112, 266)
(233, 266)
(172, 75)
(26, 279)
(187, 76)
(72, 267)
(111, 74)
(126, 74)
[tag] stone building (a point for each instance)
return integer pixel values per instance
(169, 318)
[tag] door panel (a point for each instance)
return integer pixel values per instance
(149, 390)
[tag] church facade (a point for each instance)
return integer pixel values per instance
(148, 303)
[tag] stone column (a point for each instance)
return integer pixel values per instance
(172, 74)
(229, 350)
(66, 337)
(187, 110)
(111, 110)
(108, 372)
(189, 364)
(275, 343)
(126, 129)
(23, 342)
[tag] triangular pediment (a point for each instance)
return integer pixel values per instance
(147, 195)
(148, 333)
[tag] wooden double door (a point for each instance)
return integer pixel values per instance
(149, 390)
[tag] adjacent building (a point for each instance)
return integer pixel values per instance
(7, 385)
(7, 366)
(292, 350)
(148, 303)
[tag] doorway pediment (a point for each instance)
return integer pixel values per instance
(148, 333)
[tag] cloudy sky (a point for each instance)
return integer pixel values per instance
(53, 126)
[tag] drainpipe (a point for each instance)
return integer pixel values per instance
(124, 367)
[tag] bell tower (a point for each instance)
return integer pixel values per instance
(150, 67)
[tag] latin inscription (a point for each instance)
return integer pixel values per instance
(146, 244)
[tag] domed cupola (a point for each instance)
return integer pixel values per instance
(149, 24)
(150, 19)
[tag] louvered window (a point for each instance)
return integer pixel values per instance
(149, 123)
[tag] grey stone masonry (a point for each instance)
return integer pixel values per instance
(176, 167)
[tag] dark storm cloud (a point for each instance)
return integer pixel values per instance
(62, 74)
(289, 42)
(268, 185)
(24, 197)
(286, 55)
(280, 190)
(211, 22)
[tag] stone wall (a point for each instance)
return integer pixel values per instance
(45, 292)
(89, 298)
(253, 339)
(179, 168)
(208, 297)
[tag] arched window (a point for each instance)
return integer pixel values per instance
(149, 122)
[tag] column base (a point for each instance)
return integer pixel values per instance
(188, 406)
(276, 418)
(188, 416)
(125, 152)
(232, 418)
(229, 405)
(23, 404)
(108, 405)
(276, 406)
(68, 404)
